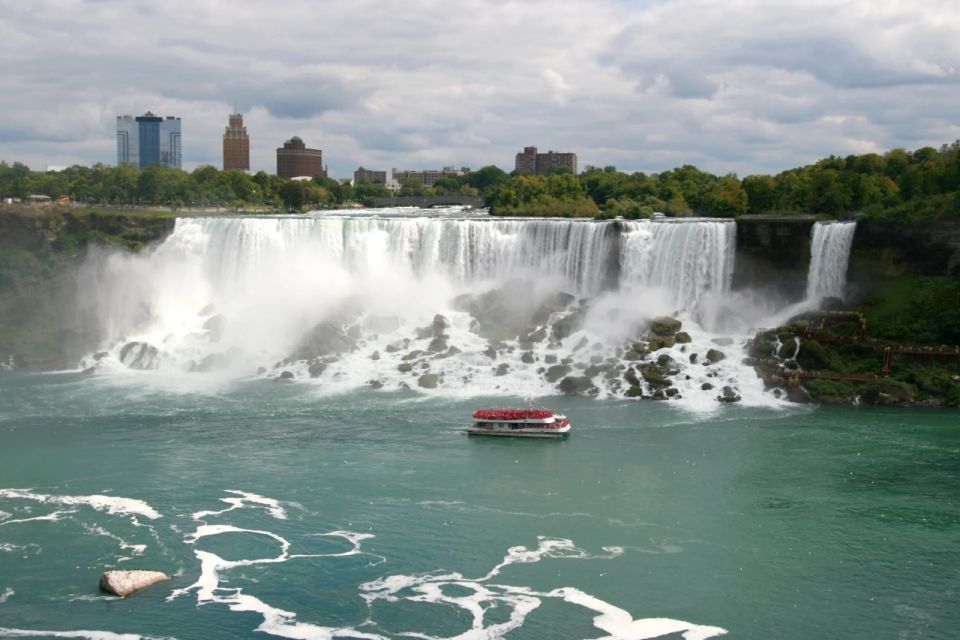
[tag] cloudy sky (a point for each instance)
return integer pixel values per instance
(730, 86)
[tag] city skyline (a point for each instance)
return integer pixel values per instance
(741, 87)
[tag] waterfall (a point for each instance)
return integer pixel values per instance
(689, 259)
(476, 304)
(829, 257)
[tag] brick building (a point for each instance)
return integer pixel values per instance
(530, 162)
(361, 176)
(427, 177)
(295, 160)
(236, 145)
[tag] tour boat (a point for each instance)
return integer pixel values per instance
(519, 423)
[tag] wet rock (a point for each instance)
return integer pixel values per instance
(428, 381)
(682, 337)
(632, 355)
(715, 356)
(567, 325)
(375, 355)
(452, 351)
(316, 369)
(538, 335)
(554, 304)
(528, 357)
(326, 338)
(664, 360)
(438, 344)
(393, 348)
(140, 356)
(375, 384)
(728, 394)
(577, 386)
(440, 324)
(631, 377)
(693, 358)
(502, 369)
(658, 394)
(413, 355)
(491, 352)
(665, 326)
(722, 342)
(654, 378)
(261, 371)
(634, 391)
(706, 386)
(672, 391)
(596, 358)
(580, 345)
(123, 583)
(404, 367)
(556, 372)
(214, 328)
(661, 342)
(591, 371)
(550, 358)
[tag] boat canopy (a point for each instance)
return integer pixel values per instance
(512, 414)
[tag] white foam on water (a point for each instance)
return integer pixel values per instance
(109, 504)
(622, 626)
(276, 621)
(136, 549)
(6, 594)
(50, 517)
(429, 588)
(245, 499)
(82, 634)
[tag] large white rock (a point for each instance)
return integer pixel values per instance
(123, 583)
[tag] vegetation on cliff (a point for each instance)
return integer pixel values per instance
(899, 351)
(41, 326)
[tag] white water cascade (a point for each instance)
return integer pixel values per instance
(689, 259)
(348, 301)
(829, 257)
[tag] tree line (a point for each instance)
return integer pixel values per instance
(898, 185)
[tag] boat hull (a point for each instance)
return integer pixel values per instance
(552, 434)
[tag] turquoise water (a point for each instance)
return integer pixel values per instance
(790, 523)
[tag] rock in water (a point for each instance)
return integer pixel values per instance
(140, 355)
(123, 583)
(665, 326)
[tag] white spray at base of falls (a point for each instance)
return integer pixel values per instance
(829, 257)
(229, 297)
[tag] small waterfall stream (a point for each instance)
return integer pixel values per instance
(829, 258)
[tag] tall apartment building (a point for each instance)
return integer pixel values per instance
(427, 177)
(295, 160)
(236, 145)
(370, 176)
(531, 162)
(148, 140)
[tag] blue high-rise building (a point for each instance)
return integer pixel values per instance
(148, 140)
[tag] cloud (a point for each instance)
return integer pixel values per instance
(744, 85)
